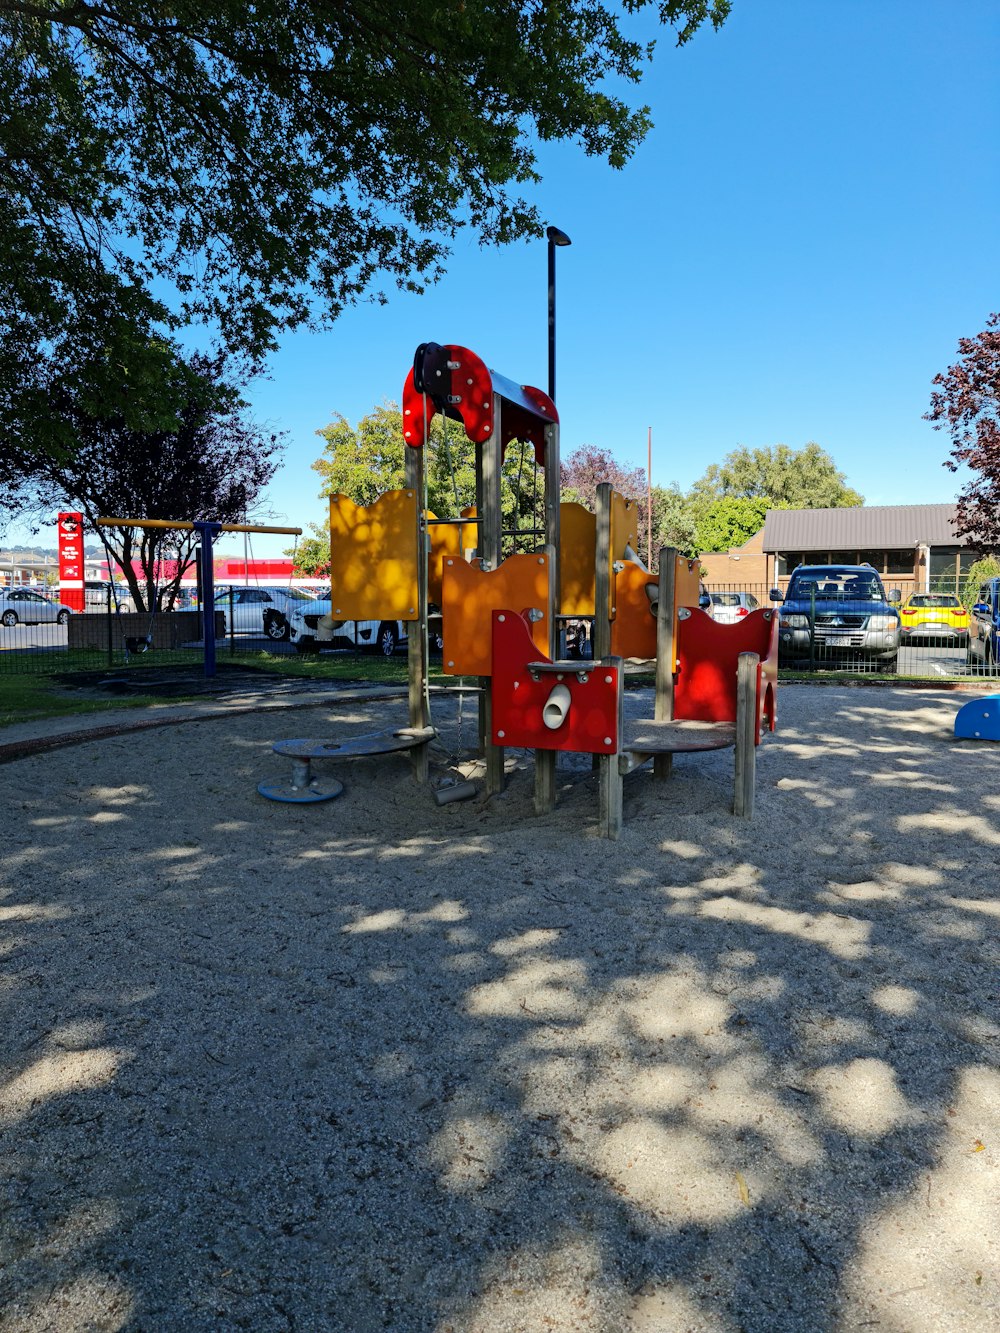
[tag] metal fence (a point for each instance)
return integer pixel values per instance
(104, 638)
(834, 635)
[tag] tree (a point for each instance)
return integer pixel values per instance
(730, 521)
(588, 465)
(259, 166)
(212, 463)
(967, 405)
(673, 520)
(976, 575)
(804, 478)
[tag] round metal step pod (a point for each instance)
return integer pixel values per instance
(316, 790)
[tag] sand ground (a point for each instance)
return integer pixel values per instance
(377, 1064)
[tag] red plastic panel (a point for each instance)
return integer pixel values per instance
(517, 424)
(471, 382)
(591, 722)
(705, 687)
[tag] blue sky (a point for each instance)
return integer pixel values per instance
(791, 256)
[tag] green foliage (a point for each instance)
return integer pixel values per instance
(986, 568)
(730, 521)
(261, 166)
(673, 521)
(788, 478)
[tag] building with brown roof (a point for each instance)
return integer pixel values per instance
(913, 547)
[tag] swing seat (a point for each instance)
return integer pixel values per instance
(135, 645)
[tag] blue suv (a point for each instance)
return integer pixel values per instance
(838, 611)
(984, 625)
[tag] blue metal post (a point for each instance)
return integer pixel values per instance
(207, 533)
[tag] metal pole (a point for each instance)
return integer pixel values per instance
(555, 237)
(552, 317)
(207, 533)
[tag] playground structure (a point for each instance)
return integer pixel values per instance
(501, 618)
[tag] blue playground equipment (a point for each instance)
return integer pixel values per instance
(979, 719)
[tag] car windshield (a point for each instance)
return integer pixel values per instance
(835, 585)
(299, 594)
(726, 598)
(933, 599)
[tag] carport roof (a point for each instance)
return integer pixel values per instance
(875, 527)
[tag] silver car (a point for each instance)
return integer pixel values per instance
(729, 607)
(23, 606)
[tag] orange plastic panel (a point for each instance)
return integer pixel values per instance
(447, 539)
(469, 599)
(633, 629)
(705, 689)
(373, 557)
(577, 553)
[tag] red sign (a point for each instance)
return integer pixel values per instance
(71, 561)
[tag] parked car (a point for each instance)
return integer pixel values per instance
(22, 606)
(937, 616)
(838, 611)
(984, 627)
(310, 635)
(259, 610)
(729, 607)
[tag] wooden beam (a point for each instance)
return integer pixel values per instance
(610, 779)
(746, 718)
(545, 760)
(489, 549)
(416, 638)
(666, 652)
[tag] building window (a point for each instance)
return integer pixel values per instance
(874, 558)
(785, 562)
(900, 562)
(944, 570)
(843, 557)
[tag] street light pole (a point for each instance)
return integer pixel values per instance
(555, 237)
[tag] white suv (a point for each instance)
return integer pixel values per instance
(311, 627)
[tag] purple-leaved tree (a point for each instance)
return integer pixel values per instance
(966, 404)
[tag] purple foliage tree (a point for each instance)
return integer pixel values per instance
(966, 404)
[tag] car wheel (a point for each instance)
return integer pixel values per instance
(275, 626)
(435, 641)
(62, 617)
(9, 619)
(387, 639)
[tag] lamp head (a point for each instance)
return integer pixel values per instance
(557, 237)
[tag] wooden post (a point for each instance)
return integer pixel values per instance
(490, 524)
(746, 726)
(416, 635)
(611, 782)
(666, 653)
(545, 760)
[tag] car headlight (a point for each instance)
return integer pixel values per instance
(882, 622)
(794, 621)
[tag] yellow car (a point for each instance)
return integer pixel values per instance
(934, 616)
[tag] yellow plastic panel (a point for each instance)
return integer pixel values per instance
(624, 525)
(470, 597)
(373, 557)
(447, 539)
(633, 630)
(577, 553)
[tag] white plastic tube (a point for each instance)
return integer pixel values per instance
(556, 707)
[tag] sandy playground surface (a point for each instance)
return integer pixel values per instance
(377, 1064)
